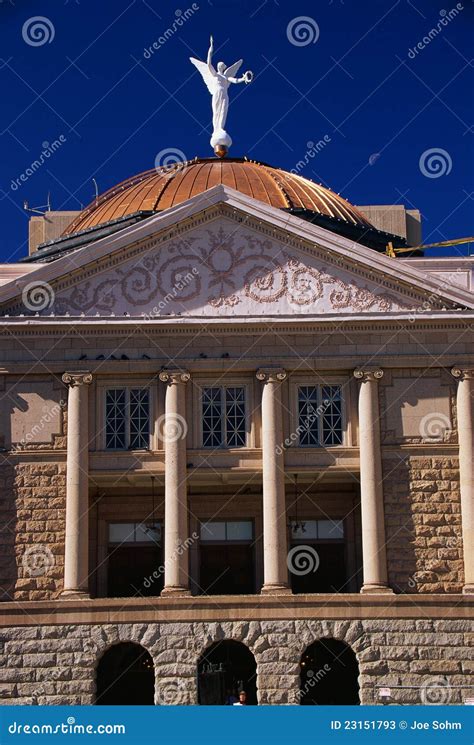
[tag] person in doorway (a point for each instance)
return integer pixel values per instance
(242, 699)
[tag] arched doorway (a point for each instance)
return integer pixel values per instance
(125, 676)
(225, 669)
(329, 674)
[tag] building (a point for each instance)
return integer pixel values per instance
(237, 450)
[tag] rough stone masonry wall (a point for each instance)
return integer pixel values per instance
(423, 524)
(421, 660)
(32, 511)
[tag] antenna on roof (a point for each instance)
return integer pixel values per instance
(42, 210)
(96, 191)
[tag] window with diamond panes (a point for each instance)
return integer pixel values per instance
(223, 417)
(127, 419)
(320, 415)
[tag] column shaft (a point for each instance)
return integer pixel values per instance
(465, 399)
(76, 558)
(275, 549)
(371, 485)
(176, 506)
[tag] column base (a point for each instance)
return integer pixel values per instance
(74, 595)
(468, 590)
(376, 590)
(175, 592)
(275, 589)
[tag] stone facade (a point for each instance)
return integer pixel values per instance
(32, 501)
(423, 524)
(423, 661)
(417, 639)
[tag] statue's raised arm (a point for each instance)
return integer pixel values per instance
(217, 82)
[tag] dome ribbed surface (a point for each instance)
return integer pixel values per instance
(159, 189)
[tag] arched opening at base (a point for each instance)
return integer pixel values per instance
(125, 676)
(329, 674)
(224, 670)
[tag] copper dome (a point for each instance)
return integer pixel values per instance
(156, 190)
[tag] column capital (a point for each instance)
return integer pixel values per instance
(174, 377)
(368, 373)
(271, 374)
(463, 373)
(73, 379)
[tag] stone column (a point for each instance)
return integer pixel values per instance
(275, 549)
(176, 505)
(374, 554)
(76, 558)
(465, 403)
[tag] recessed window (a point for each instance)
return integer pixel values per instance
(127, 419)
(234, 530)
(320, 415)
(307, 530)
(223, 417)
(134, 533)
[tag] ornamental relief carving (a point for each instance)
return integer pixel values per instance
(226, 269)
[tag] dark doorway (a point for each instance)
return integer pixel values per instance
(227, 558)
(135, 560)
(330, 575)
(225, 669)
(125, 676)
(329, 674)
(318, 556)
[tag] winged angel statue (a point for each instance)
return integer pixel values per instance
(217, 82)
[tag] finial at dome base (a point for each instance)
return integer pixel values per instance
(221, 151)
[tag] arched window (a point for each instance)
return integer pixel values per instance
(329, 674)
(224, 670)
(125, 676)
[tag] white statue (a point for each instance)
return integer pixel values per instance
(217, 82)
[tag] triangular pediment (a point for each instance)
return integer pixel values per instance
(229, 256)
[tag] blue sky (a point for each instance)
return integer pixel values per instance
(88, 84)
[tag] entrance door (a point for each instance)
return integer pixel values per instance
(125, 676)
(227, 561)
(225, 669)
(329, 674)
(317, 558)
(135, 560)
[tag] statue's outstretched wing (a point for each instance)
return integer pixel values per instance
(207, 75)
(232, 70)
